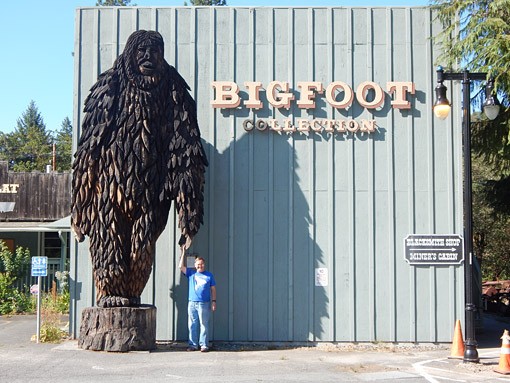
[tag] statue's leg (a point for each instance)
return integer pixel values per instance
(142, 259)
(111, 271)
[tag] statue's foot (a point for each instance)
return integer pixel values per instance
(134, 301)
(113, 301)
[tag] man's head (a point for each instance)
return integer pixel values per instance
(200, 264)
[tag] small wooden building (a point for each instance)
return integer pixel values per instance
(34, 214)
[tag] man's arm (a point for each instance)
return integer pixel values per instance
(182, 265)
(213, 298)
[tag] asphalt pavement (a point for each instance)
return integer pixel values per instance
(23, 360)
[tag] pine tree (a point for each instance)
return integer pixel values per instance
(208, 2)
(114, 3)
(475, 37)
(63, 146)
(28, 148)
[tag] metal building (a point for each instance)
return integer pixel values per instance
(305, 218)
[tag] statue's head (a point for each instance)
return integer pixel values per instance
(145, 52)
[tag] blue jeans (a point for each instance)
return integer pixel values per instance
(199, 314)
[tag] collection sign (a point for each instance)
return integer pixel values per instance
(434, 249)
(338, 94)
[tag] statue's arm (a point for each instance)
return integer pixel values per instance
(187, 170)
(99, 108)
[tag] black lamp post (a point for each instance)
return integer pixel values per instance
(441, 110)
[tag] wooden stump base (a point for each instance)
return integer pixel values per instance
(118, 329)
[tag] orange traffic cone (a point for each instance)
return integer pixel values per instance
(457, 343)
(504, 355)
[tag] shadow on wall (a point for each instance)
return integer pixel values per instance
(258, 241)
(268, 221)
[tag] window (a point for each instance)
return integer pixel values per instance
(53, 244)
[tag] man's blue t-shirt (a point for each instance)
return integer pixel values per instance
(200, 285)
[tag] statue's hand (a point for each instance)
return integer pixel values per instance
(185, 242)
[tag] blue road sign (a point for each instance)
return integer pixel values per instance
(39, 266)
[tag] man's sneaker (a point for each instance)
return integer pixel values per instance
(191, 349)
(204, 349)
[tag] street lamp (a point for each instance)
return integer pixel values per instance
(491, 105)
(441, 110)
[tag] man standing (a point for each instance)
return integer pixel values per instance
(201, 301)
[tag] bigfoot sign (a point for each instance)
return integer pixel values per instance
(140, 149)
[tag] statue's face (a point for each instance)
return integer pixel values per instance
(148, 58)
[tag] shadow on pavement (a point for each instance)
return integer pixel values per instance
(19, 329)
(489, 336)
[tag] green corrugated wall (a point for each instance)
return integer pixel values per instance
(279, 206)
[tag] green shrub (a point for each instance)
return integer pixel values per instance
(14, 301)
(51, 334)
(51, 331)
(13, 264)
(59, 305)
(17, 302)
(5, 294)
(23, 302)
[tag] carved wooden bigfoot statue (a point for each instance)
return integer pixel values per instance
(140, 150)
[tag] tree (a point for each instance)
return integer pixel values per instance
(475, 37)
(208, 3)
(114, 3)
(63, 145)
(491, 225)
(28, 148)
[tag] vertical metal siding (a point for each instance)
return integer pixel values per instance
(278, 206)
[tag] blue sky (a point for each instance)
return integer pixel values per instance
(37, 40)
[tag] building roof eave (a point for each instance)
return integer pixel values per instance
(63, 224)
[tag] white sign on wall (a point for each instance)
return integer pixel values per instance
(434, 249)
(321, 276)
